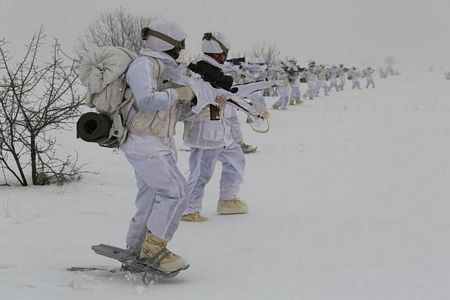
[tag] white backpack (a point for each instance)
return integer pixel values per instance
(103, 71)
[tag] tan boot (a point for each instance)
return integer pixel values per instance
(292, 102)
(275, 106)
(194, 217)
(230, 207)
(298, 101)
(246, 148)
(155, 251)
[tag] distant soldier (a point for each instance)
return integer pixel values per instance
(333, 73)
(355, 75)
(342, 77)
(283, 89)
(294, 72)
(368, 75)
(312, 80)
(323, 76)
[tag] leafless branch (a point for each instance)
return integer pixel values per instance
(35, 98)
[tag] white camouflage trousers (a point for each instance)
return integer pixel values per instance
(282, 102)
(295, 90)
(235, 127)
(370, 82)
(284, 93)
(312, 89)
(333, 84)
(161, 198)
(324, 86)
(356, 84)
(202, 163)
(341, 83)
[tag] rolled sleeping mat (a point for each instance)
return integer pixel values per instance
(94, 127)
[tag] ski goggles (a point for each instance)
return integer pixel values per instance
(168, 39)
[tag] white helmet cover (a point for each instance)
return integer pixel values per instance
(165, 34)
(215, 42)
(292, 60)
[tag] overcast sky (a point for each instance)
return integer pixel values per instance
(331, 31)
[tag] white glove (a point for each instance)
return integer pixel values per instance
(184, 93)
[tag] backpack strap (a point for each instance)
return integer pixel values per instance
(130, 101)
(160, 72)
(119, 118)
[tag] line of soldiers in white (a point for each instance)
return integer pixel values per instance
(318, 78)
(289, 75)
(164, 196)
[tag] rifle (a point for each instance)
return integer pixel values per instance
(234, 94)
(236, 61)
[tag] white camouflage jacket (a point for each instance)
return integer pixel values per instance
(202, 132)
(151, 122)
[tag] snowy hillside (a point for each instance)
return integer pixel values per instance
(348, 196)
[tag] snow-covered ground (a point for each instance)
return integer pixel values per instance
(349, 198)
